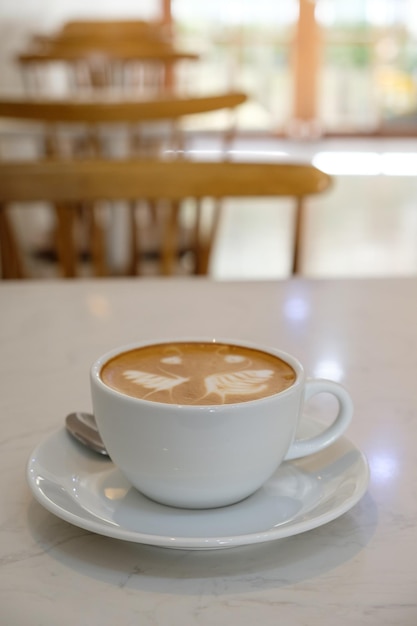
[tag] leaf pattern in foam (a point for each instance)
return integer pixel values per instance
(241, 383)
(155, 382)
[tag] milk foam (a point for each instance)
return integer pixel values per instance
(197, 373)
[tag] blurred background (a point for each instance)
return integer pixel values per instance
(329, 81)
(343, 67)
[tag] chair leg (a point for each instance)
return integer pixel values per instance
(11, 260)
(298, 235)
(67, 254)
(98, 244)
(170, 240)
(204, 243)
(132, 266)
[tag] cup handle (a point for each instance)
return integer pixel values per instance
(304, 447)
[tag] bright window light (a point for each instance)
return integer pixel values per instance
(348, 163)
(367, 163)
(399, 163)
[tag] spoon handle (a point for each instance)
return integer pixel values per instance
(82, 426)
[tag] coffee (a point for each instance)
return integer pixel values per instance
(197, 373)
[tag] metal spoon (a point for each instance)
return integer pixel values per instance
(83, 427)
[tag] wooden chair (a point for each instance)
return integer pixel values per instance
(85, 128)
(167, 181)
(97, 53)
(94, 113)
(104, 34)
(141, 58)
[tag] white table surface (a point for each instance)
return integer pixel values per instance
(359, 569)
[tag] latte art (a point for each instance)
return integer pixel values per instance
(197, 373)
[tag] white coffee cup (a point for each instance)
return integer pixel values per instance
(204, 456)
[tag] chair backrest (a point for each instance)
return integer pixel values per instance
(135, 115)
(113, 29)
(130, 179)
(80, 36)
(168, 181)
(110, 55)
(104, 111)
(123, 50)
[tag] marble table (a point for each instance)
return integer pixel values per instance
(360, 568)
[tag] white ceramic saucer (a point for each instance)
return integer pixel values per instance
(88, 491)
